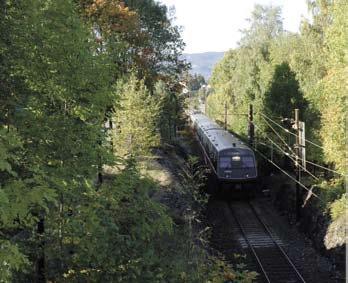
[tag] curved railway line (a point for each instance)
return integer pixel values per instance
(275, 265)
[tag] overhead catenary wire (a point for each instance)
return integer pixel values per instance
(231, 114)
(309, 162)
(325, 168)
(286, 130)
(287, 174)
(278, 135)
(274, 122)
(291, 156)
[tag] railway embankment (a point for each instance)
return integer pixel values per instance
(326, 234)
(169, 167)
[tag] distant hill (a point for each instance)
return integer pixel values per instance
(202, 63)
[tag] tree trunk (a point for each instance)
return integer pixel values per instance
(40, 265)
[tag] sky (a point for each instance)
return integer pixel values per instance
(214, 25)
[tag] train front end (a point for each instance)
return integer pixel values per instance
(237, 165)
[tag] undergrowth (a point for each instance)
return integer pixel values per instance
(333, 195)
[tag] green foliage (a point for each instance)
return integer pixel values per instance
(216, 270)
(169, 110)
(278, 71)
(332, 190)
(57, 91)
(242, 77)
(55, 96)
(194, 181)
(334, 198)
(194, 82)
(333, 100)
(339, 207)
(110, 235)
(139, 36)
(10, 144)
(11, 259)
(136, 119)
(165, 43)
(189, 262)
(283, 94)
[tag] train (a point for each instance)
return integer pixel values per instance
(229, 158)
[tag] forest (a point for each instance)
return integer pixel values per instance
(277, 72)
(90, 87)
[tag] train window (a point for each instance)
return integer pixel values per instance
(248, 162)
(228, 162)
(225, 162)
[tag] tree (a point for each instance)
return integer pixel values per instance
(168, 107)
(136, 119)
(284, 93)
(194, 82)
(333, 100)
(55, 95)
(242, 77)
(140, 36)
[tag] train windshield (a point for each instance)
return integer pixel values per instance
(236, 162)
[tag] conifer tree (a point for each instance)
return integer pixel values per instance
(136, 119)
(168, 111)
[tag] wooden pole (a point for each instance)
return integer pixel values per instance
(251, 125)
(297, 166)
(225, 115)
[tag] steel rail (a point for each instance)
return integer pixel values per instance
(269, 234)
(251, 247)
(264, 225)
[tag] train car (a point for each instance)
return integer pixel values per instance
(229, 158)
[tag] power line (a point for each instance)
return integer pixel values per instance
(279, 136)
(290, 156)
(314, 144)
(231, 114)
(286, 130)
(287, 174)
(236, 114)
(325, 168)
(280, 126)
(286, 153)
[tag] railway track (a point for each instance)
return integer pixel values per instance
(275, 265)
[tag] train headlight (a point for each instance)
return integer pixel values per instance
(235, 158)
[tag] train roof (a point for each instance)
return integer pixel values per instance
(220, 138)
(192, 112)
(199, 117)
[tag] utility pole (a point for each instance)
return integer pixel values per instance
(297, 165)
(225, 115)
(251, 125)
